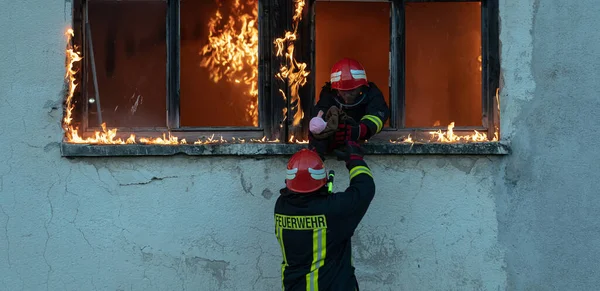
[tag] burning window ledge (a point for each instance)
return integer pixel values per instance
(275, 149)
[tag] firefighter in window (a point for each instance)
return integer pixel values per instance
(349, 109)
(314, 226)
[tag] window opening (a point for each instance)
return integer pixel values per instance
(358, 30)
(125, 67)
(438, 61)
(443, 64)
(219, 63)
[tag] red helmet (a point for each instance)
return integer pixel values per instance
(305, 172)
(348, 74)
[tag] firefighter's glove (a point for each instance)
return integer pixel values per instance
(350, 152)
(347, 132)
(317, 145)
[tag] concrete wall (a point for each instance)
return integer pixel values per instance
(527, 221)
(548, 201)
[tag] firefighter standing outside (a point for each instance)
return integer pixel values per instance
(314, 227)
(350, 91)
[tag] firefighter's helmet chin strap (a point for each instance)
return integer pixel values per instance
(344, 105)
(330, 181)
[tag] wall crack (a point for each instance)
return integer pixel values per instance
(7, 237)
(153, 179)
(46, 224)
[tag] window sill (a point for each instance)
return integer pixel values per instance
(272, 149)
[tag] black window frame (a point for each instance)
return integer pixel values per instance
(275, 18)
(267, 127)
(490, 35)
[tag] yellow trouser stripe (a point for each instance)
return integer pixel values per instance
(319, 252)
(375, 120)
(360, 170)
(279, 232)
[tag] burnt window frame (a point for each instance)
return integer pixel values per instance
(490, 77)
(275, 18)
(271, 122)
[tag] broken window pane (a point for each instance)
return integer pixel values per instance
(443, 64)
(219, 63)
(129, 44)
(358, 30)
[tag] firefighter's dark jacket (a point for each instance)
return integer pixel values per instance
(314, 232)
(372, 110)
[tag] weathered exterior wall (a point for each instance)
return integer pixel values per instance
(527, 221)
(548, 202)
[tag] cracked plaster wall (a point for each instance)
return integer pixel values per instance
(522, 222)
(548, 201)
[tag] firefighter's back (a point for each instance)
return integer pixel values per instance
(315, 244)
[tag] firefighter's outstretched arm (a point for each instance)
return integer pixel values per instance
(354, 202)
(377, 113)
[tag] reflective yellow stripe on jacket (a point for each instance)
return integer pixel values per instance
(279, 234)
(376, 120)
(360, 170)
(318, 225)
(319, 252)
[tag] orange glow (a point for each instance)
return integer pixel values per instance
(221, 140)
(339, 30)
(106, 136)
(232, 53)
(295, 74)
(497, 122)
(450, 137)
(166, 139)
(443, 59)
(72, 57)
(292, 71)
(109, 136)
(294, 140)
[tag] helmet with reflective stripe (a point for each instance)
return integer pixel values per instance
(348, 74)
(305, 172)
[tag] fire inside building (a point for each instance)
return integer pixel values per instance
(196, 72)
(146, 143)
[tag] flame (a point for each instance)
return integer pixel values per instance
(166, 139)
(221, 140)
(211, 140)
(264, 140)
(72, 57)
(497, 129)
(294, 140)
(71, 133)
(293, 72)
(450, 137)
(232, 53)
(109, 136)
(476, 136)
(106, 136)
(407, 139)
